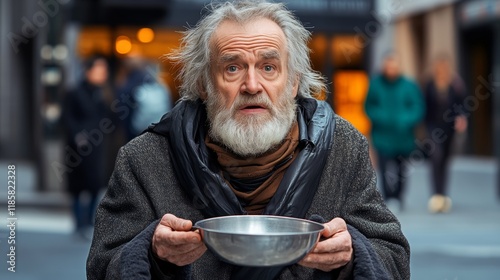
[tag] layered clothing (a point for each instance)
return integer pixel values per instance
(169, 169)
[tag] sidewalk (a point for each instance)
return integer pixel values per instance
(462, 244)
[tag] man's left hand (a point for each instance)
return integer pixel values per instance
(333, 252)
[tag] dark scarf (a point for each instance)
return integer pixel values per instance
(199, 174)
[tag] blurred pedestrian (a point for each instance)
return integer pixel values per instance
(84, 109)
(148, 98)
(395, 106)
(443, 90)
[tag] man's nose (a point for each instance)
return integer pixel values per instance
(251, 84)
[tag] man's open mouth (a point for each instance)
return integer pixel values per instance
(253, 107)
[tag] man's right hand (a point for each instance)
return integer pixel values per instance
(174, 242)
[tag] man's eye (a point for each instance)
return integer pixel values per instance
(232, 68)
(268, 68)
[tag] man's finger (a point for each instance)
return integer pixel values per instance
(175, 223)
(187, 257)
(187, 248)
(334, 226)
(338, 243)
(171, 237)
(321, 264)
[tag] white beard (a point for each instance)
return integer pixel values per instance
(252, 135)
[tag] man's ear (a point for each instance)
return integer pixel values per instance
(203, 95)
(203, 91)
(295, 87)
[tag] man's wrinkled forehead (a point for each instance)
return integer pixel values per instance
(252, 36)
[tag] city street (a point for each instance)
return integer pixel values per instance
(463, 244)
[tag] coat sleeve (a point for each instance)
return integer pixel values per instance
(71, 114)
(460, 91)
(374, 107)
(366, 212)
(414, 107)
(125, 223)
(428, 101)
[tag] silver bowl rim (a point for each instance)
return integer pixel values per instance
(197, 225)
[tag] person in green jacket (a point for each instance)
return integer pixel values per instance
(395, 107)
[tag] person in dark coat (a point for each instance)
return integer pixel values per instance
(247, 138)
(442, 92)
(395, 107)
(84, 110)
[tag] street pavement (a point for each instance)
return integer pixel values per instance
(465, 243)
(462, 244)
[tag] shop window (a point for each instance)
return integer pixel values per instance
(350, 88)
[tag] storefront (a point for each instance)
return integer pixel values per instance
(480, 40)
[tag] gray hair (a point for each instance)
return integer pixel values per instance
(194, 54)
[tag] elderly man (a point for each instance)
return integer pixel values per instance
(246, 138)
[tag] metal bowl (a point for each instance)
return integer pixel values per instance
(259, 240)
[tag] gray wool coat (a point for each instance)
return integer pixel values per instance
(143, 187)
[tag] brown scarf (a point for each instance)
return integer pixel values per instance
(273, 163)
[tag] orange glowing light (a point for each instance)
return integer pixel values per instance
(145, 35)
(350, 88)
(123, 45)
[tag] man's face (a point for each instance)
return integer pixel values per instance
(252, 95)
(98, 74)
(442, 70)
(391, 68)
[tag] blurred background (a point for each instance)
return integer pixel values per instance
(45, 43)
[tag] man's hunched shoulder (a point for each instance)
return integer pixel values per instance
(151, 143)
(146, 144)
(345, 131)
